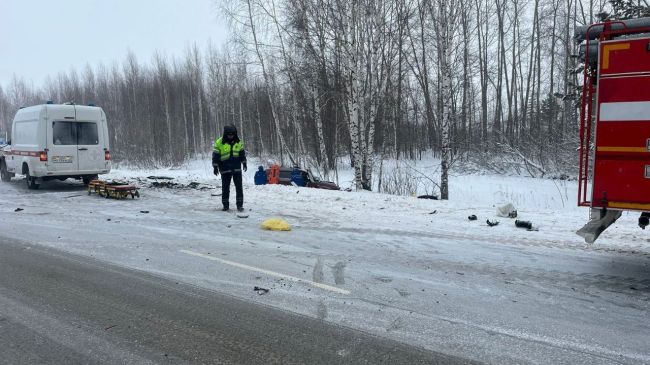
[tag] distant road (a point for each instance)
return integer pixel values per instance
(56, 308)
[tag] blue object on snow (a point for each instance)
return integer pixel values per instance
(298, 178)
(260, 176)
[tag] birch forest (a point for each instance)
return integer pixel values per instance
(492, 84)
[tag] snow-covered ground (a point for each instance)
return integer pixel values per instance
(550, 204)
(396, 266)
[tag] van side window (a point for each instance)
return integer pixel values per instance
(64, 133)
(74, 133)
(87, 134)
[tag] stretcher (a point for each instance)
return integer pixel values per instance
(114, 190)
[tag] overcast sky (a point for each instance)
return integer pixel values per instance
(42, 37)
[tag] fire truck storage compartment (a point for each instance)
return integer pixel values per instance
(622, 158)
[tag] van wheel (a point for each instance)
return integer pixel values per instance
(31, 181)
(5, 175)
(88, 179)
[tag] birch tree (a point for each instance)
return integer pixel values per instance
(446, 14)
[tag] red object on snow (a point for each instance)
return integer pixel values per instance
(274, 174)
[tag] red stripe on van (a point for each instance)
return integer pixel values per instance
(24, 153)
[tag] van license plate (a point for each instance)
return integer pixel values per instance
(62, 159)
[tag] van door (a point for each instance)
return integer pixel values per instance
(62, 153)
(90, 147)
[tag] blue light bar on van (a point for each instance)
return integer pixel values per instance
(91, 104)
(50, 102)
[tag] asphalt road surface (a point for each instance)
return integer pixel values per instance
(57, 308)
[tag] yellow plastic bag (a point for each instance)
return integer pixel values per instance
(276, 224)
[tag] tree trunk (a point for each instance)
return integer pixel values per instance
(267, 81)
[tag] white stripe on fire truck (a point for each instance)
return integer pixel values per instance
(625, 111)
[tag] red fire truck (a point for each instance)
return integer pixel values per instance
(615, 123)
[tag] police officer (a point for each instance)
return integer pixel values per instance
(228, 158)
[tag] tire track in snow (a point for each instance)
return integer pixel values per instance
(433, 233)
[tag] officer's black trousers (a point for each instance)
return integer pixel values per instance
(225, 188)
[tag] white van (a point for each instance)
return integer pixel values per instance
(54, 141)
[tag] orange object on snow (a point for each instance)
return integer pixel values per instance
(274, 174)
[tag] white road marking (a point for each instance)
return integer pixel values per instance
(557, 342)
(269, 272)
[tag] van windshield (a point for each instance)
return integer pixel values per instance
(74, 133)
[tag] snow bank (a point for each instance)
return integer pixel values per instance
(549, 204)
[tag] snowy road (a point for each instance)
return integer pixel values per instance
(378, 263)
(57, 308)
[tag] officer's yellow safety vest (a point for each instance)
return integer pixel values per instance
(226, 150)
